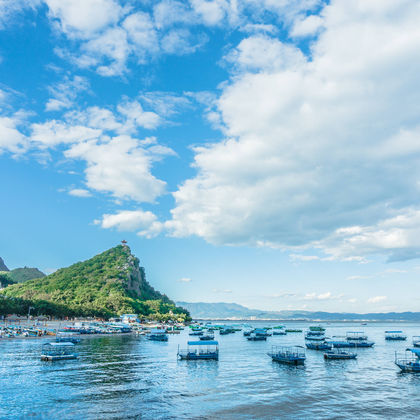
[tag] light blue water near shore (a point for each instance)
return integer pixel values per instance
(130, 377)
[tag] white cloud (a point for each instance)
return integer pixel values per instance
(321, 296)
(120, 166)
(307, 26)
(211, 12)
(300, 257)
(11, 138)
(260, 52)
(55, 132)
(10, 8)
(142, 34)
(318, 146)
(182, 41)
(80, 192)
(64, 93)
(376, 299)
(127, 220)
(82, 18)
(185, 280)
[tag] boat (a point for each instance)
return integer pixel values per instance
(343, 342)
(58, 351)
(207, 337)
(66, 338)
(279, 332)
(409, 361)
(395, 336)
(318, 345)
(293, 330)
(315, 335)
(196, 332)
(416, 341)
(247, 333)
(200, 350)
(254, 337)
(319, 328)
(157, 335)
(262, 332)
(356, 336)
(290, 355)
(339, 355)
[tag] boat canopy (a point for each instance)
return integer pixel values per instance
(415, 351)
(203, 343)
(156, 331)
(62, 344)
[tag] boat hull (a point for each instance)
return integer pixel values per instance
(47, 358)
(288, 361)
(199, 356)
(409, 367)
(330, 356)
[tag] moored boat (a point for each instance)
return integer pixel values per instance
(294, 355)
(157, 335)
(339, 355)
(254, 337)
(356, 336)
(318, 345)
(395, 336)
(58, 351)
(200, 350)
(207, 337)
(409, 361)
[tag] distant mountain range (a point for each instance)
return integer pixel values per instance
(203, 310)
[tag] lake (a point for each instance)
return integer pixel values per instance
(130, 377)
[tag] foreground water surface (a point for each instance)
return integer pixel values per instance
(130, 377)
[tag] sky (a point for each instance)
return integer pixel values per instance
(263, 152)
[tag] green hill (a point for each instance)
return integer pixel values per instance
(20, 275)
(109, 284)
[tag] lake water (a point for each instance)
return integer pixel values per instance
(130, 377)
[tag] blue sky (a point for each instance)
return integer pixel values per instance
(260, 152)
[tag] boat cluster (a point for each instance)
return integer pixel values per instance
(13, 331)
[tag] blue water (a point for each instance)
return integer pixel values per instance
(129, 377)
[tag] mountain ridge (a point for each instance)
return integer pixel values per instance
(222, 310)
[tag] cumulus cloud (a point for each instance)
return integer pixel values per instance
(81, 18)
(119, 166)
(320, 152)
(127, 220)
(106, 34)
(260, 52)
